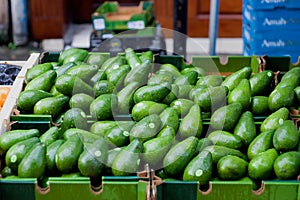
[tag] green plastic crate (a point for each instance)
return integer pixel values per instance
(112, 16)
(233, 190)
(71, 188)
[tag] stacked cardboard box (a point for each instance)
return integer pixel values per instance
(125, 26)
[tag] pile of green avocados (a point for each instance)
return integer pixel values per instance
(112, 116)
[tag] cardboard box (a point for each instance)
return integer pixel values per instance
(112, 16)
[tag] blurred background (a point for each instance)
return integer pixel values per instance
(211, 27)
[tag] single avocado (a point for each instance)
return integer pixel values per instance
(281, 97)
(92, 160)
(286, 136)
(287, 165)
(210, 80)
(169, 117)
(241, 94)
(12, 137)
(150, 125)
(51, 135)
(211, 98)
(51, 150)
(155, 149)
(37, 70)
(226, 117)
(17, 152)
(234, 79)
(261, 166)
(33, 164)
(146, 108)
(70, 85)
(232, 168)
(219, 152)
(182, 106)
(74, 118)
(127, 161)
(82, 101)
(199, 168)
(28, 98)
(42, 82)
(273, 120)
(245, 128)
(178, 157)
(125, 98)
(83, 71)
(191, 124)
(225, 138)
(261, 83)
(101, 107)
(152, 93)
(66, 157)
(51, 105)
(138, 74)
(261, 143)
(259, 106)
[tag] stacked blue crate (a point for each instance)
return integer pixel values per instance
(271, 27)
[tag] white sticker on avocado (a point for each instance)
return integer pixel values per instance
(82, 114)
(151, 125)
(199, 172)
(269, 74)
(13, 159)
(126, 133)
(177, 103)
(99, 24)
(280, 121)
(97, 153)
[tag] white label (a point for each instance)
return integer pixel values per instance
(275, 22)
(272, 1)
(99, 24)
(278, 43)
(136, 25)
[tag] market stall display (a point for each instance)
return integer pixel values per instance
(195, 124)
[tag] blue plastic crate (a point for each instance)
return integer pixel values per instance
(272, 41)
(260, 20)
(250, 50)
(272, 4)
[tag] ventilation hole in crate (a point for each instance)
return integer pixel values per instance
(258, 187)
(96, 186)
(205, 188)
